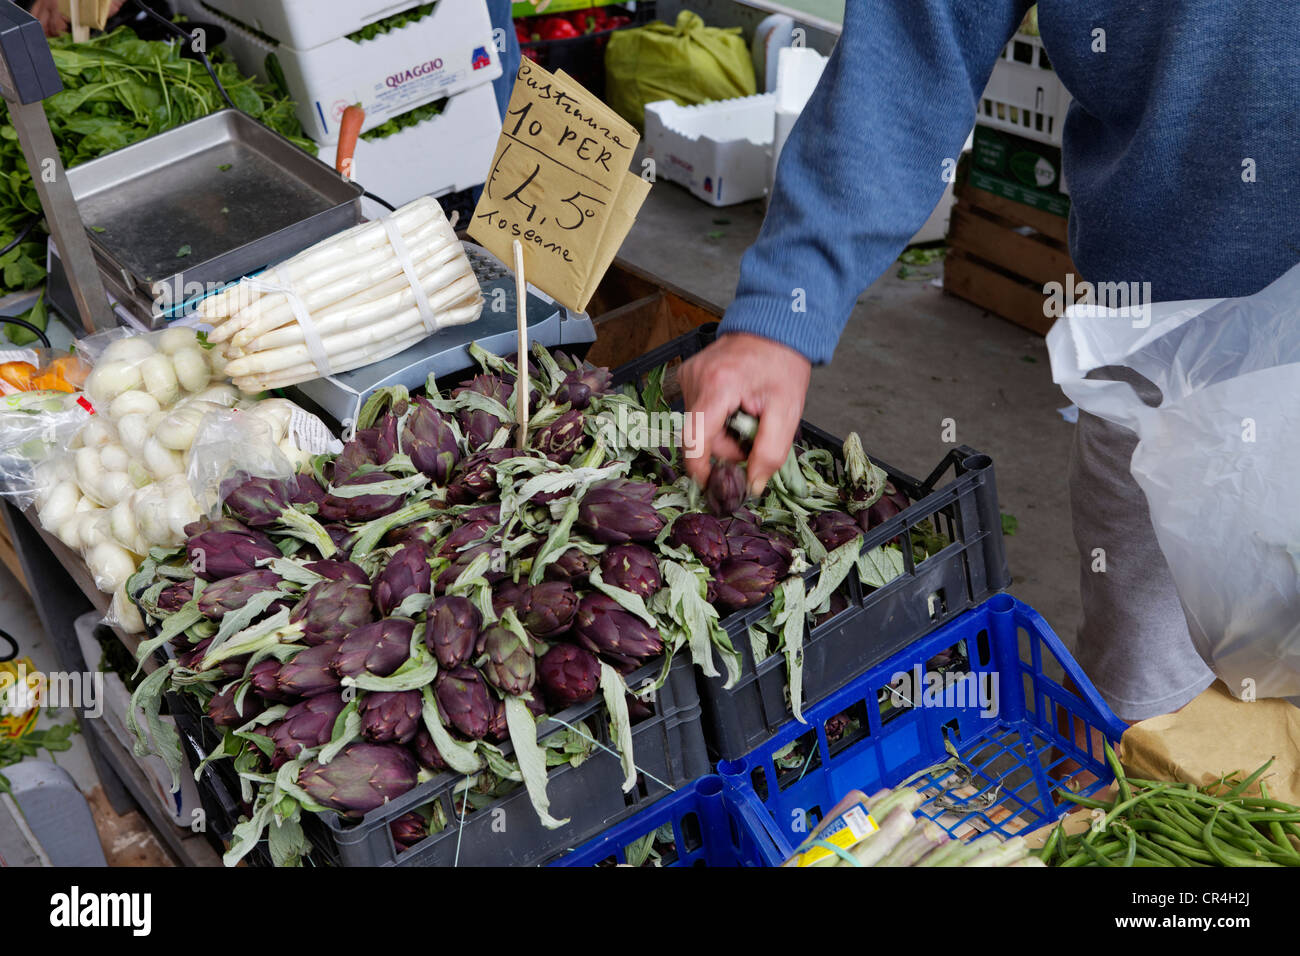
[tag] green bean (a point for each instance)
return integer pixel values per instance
(1172, 818)
(1187, 851)
(1131, 853)
(1245, 784)
(1224, 855)
(1082, 801)
(1153, 849)
(1095, 852)
(1045, 854)
(1125, 791)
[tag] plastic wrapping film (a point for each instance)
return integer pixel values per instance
(1217, 459)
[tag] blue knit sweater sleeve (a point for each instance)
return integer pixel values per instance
(864, 164)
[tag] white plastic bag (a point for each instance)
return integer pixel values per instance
(1218, 460)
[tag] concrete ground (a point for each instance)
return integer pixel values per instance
(909, 358)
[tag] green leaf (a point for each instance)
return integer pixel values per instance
(460, 757)
(615, 692)
(532, 762)
(879, 566)
(1010, 523)
(183, 251)
(791, 622)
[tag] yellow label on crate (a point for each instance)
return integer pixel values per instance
(846, 831)
(20, 691)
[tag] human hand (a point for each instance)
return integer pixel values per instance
(55, 23)
(757, 375)
(52, 21)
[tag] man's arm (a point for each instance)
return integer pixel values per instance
(860, 173)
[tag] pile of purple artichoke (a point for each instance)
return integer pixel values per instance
(371, 622)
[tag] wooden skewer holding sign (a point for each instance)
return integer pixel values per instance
(521, 318)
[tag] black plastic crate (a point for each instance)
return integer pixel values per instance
(668, 749)
(878, 622)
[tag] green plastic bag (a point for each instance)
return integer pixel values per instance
(689, 63)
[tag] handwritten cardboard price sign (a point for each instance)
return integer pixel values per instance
(560, 185)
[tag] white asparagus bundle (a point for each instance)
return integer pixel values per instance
(458, 304)
(325, 286)
(361, 303)
(392, 295)
(338, 249)
(365, 355)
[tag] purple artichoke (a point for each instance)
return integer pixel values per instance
(379, 648)
(478, 427)
(703, 535)
(361, 778)
(510, 665)
(257, 502)
(742, 583)
(429, 441)
(476, 476)
(407, 572)
(572, 566)
(408, 830)
(342, 536)
(305, 491)
(568, 675)
(465, 535)
(834, 528)
(421, 532)
(632, 568)
(265, 680)
(331, 610)
(890, 503)
(223, 547)
(230, 594)
(426, 752)
(561, 439)
(547, 609)
(745, 542)
(447, 577)
(583, 382)
(728, 485)
(618, 511)
(306, 674)
(193, 659)
(362, 507)
(305, 726)
(390, 716)
(222, 710)
(451, 630)
(604, 628)
(465, 701)
(506, 594)
(490, 512)
(175, 596)
(339, 571)
(638, 709)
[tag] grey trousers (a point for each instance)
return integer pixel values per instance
(1133, 642)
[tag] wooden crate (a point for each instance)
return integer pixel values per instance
(1001, 253)
(9, 558)
(635, 311)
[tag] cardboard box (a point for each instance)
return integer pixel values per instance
(445, 153)
(1018, 169)
(445, 53)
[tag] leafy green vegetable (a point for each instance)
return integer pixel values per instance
(225, 167)
(183, 251)
(922, 255)
(37, 315)
(405, 120)
(396, 22)
(117, 90)
(12, 750)
(1010, 524)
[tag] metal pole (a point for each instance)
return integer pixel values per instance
(27, 77)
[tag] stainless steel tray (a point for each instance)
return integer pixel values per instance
(208, 201)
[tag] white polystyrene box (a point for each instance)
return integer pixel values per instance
(304, 24)
(445, 53)
(720, 151)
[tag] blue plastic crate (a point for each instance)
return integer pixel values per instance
(712, 825)
(1018, 757)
